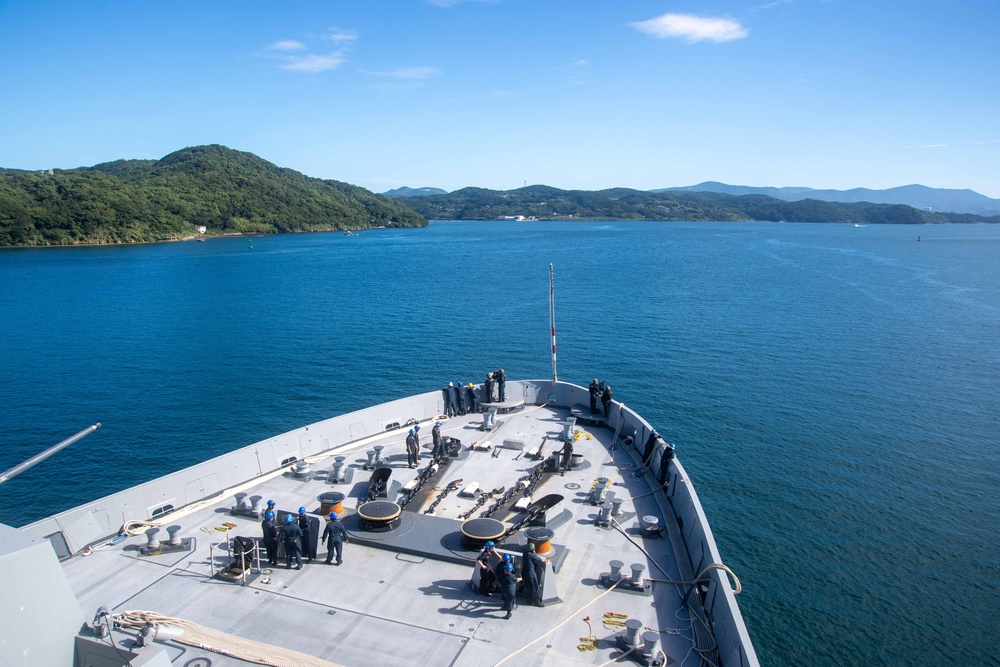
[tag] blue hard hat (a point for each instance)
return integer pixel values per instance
(509, 568)
(489, 544)
(437, 423)
(289, 518)
(506, 558)
(302, 510)
(270, 503)
(269, 515)
(412, 431)
(417, 427)
(333, 515)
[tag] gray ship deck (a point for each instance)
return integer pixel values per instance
(411, 607)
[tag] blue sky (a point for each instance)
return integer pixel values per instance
(583, 94)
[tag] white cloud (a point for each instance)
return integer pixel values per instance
(287, 45)
(337, 35)
(580, 63)
(313, 63)
(692, 28)
(772, 5)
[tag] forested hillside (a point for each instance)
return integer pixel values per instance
(227, 191)
(549, 203)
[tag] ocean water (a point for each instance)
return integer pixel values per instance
(833, 391)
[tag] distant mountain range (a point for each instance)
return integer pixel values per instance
(413, 192)
(917, 196)
(215, 187)
(547, 203)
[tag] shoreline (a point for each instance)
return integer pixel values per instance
(85, 244)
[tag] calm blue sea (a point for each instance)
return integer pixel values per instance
(834, 391)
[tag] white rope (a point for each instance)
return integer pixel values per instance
(223, 643)
(556, 627)
(701, 651)
(616, 659)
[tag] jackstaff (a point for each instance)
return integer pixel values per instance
(552, 321)
(38, 458)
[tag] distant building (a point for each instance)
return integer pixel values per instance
(201, 228)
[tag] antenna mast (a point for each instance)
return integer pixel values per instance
(552, 321)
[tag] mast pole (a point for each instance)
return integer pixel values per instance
(552, 321)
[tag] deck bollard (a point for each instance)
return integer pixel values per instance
(338, 468)
(637, 570)
(632, 627)
(151, 541)
(241, 501)
(175, 540)
(601, 490)
(651, 642)
(378, 454)
(605, 517)
(616, 506)
(255, 504)
(616, 570)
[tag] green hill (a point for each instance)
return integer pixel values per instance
(547, 203)
(227, 191)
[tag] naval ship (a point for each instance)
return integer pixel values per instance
(594, 503)
(173, 571)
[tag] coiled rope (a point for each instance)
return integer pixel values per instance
(222, 642)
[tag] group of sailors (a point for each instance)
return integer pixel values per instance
(296, 536)
(497, 572)
(600, 392)
(461, 399)
(413, 444)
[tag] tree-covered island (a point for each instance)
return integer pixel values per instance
(223, 190)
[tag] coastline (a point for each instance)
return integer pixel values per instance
(86, 244)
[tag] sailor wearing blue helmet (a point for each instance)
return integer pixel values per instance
(487, 560)
(270, 537)
(308, 548)
(292, 535)
(412, 451)
(508, 587)
(334, 537)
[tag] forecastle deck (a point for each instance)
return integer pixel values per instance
(411, 602)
